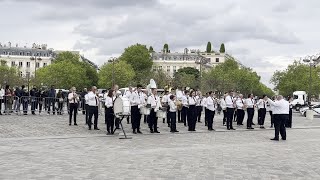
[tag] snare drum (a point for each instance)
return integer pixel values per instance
(122, 106)
(161, 114)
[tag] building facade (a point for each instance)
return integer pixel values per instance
(28, 60)
(172, 62)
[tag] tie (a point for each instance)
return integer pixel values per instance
(74, 100)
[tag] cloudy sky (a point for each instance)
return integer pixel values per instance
(264, 35)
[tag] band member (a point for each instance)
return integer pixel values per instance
(135, 102)
(1, 98)
(262, 105)
(128, 94)
(235, 110)
(93, 102)
(192, 112)
(173, 114)
(224, 108)
(83, 101)
(109, 114)
(118, 94)
(289, 122)
(179, 96)
(154, 101)
(250, 110)
(240, 110)
(185, 107)
(165, 102)
(230, 104)
(271, 107)
(145, 98)
(199, 99)
(204, 105)
(86, 107)
(211, 108)
(281, 113)
(73, 105)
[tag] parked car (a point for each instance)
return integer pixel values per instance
(303, 110)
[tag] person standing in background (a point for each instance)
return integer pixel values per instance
(289, 122)
(51, 99)
(1, 98)
(83, 100)
(128, 94)
(230, 104)
(240, 110)
(60, 98)
(173, 114)
(224, 108)
(109, 113)
(93, 102)
(73, 99)
(179, 97)
(262, 105)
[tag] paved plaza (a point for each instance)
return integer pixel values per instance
(45, 147)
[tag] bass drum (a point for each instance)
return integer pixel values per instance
(121, 107)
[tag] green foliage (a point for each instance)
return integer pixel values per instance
(187, 76)
(139, 58)
(166, 48)
(67, 56)
(123, 74)
(189, 70)
(230, 76)
(209, 46)
(296, 78)
(222, 48)
(151, 49)
(9, 75)
(64, 75)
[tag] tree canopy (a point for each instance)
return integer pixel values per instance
(187, 76)
(222, 48)
(9, 75)
(166, 48)
(209, 46)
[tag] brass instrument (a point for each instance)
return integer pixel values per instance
(179, 105)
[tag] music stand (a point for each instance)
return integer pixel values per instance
(124, 132)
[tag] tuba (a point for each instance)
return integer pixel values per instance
(152, 85)
(179, 105)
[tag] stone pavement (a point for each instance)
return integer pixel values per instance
(45, 147)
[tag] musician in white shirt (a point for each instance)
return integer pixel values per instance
(128, 94)
(262, 110)
(185, 107)
(224, 108)
(173, 113)
(109, 114)
(230, 104)
(199, 108)
(73, 99)
(250, 110)
(240, 110)
(179, 96)
(1, 98)
(211, 108)
(289, 122)
(165, 102)
(117, 94)
(135, 101)
(281, 113)
(192, 112)
(93, 102)
(145, 97)
(86, 107)
(204, 105)
(154, 102)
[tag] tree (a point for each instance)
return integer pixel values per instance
(166, 48)
(190, 70)
(9, 75)
(209, 47)
(63, 75)
(139, 58)
(222, 48)
(187, 76)
(151, 49)
(123, 74)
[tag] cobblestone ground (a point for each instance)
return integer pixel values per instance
(45, 147)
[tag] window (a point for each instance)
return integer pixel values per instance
(174, 69)
(37, 65)
(28, 64)
(44, 64)
(20, 73)
(20, 64)
(168, 68)
(20, 53)
(27, 74)
(28, 53)
(13, 64)
(217, 59)
(160, 67)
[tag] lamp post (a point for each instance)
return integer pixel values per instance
(312, 61)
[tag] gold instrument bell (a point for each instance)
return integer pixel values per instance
(179, 105)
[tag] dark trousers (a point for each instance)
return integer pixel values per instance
(179, 116)
(51, 102)
(135, 118)
(109, 117)
(173, 121)
(145, 119)
(192, 118)
(33, 105)
(25, 106)
(1, 101)
(73, 112)
(250, 112)
(224, 116)
(93, 111)
(60, 106)
(279, 125)
(168, 116)
(184, 112)
(153, 121)
(87, 113)
(271, 117)
(83, 106)
(262, 116)
(240, 116)
(235, 115)
(199, 111)
(230, 112)
(40, 106)
(289, 121)
(206, 116)
(210, 119)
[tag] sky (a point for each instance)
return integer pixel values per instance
(263, 35)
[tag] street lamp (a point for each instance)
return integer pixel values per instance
(312, 61)
(112, 59)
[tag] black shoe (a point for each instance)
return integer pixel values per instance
(96, 129)
(172, 131)
(134, 132)
(271, 126)
(139, 132)
(156, 132)
(262, 127)
(274, 139)
(176, 131)
(117, 128)
(253, 124)
(233, 129)
(228, 129)
(89, 128)
(76, 124)
(284, 139)
(69, 124)
(199, 122)
(210, 129)
(109, 133)
(151, 131)
(169, 125)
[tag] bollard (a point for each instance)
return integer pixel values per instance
(309, 114)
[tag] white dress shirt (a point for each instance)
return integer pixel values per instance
(262, 104)
(73, 100)
(279, 107)
(204, 102)
(165, 99)
(1, 93)
(128, 94)
(192, 100)
(109, 101)
(134, 99)
(229, 102)
(179, 94)
(240, 103)
(250, 103)
(154, 101)
(92, 99)
(211, 104)
(184, 101)
(223, 104)
(173, 107)
(199, 101)
(86, 98)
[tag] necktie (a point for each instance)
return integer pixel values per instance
(74, 100)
